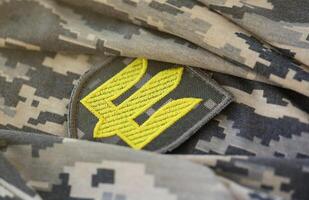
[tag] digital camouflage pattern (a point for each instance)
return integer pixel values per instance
(100, 171)
(83, 31)
(257, 50)
(36, 88)
(263, 120)
(283, 24)
(287, 178)
(197, 24)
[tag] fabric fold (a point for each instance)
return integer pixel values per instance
(12, 186)
(59, 168)
(282, 24)
(82, 30)
(62, 28)
(194, 22)
(262, 121)
(284, 178)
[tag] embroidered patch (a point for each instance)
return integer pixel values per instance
(153, 106)
(119, 120)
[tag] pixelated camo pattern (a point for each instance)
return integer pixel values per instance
(36, 87)
(257, 148)
(262, 121)
(98, 171)
(194, 22)
(283, 24)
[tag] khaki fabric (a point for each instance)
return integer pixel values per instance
(257, 148)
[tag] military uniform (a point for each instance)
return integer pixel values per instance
(92, 93)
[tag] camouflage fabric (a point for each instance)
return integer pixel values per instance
(83, 31)
(283, 24)
(36, 88)
(257, 148)
(282, 177)
(99, 171)
(197, 24)
(249, 127)
(12, 186)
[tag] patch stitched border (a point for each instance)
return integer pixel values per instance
(73, 107)
(119, 120)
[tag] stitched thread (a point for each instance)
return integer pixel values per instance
(120, 119)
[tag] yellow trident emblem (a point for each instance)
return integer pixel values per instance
(119, 120)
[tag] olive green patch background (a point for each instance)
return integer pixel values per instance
(194, 83)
